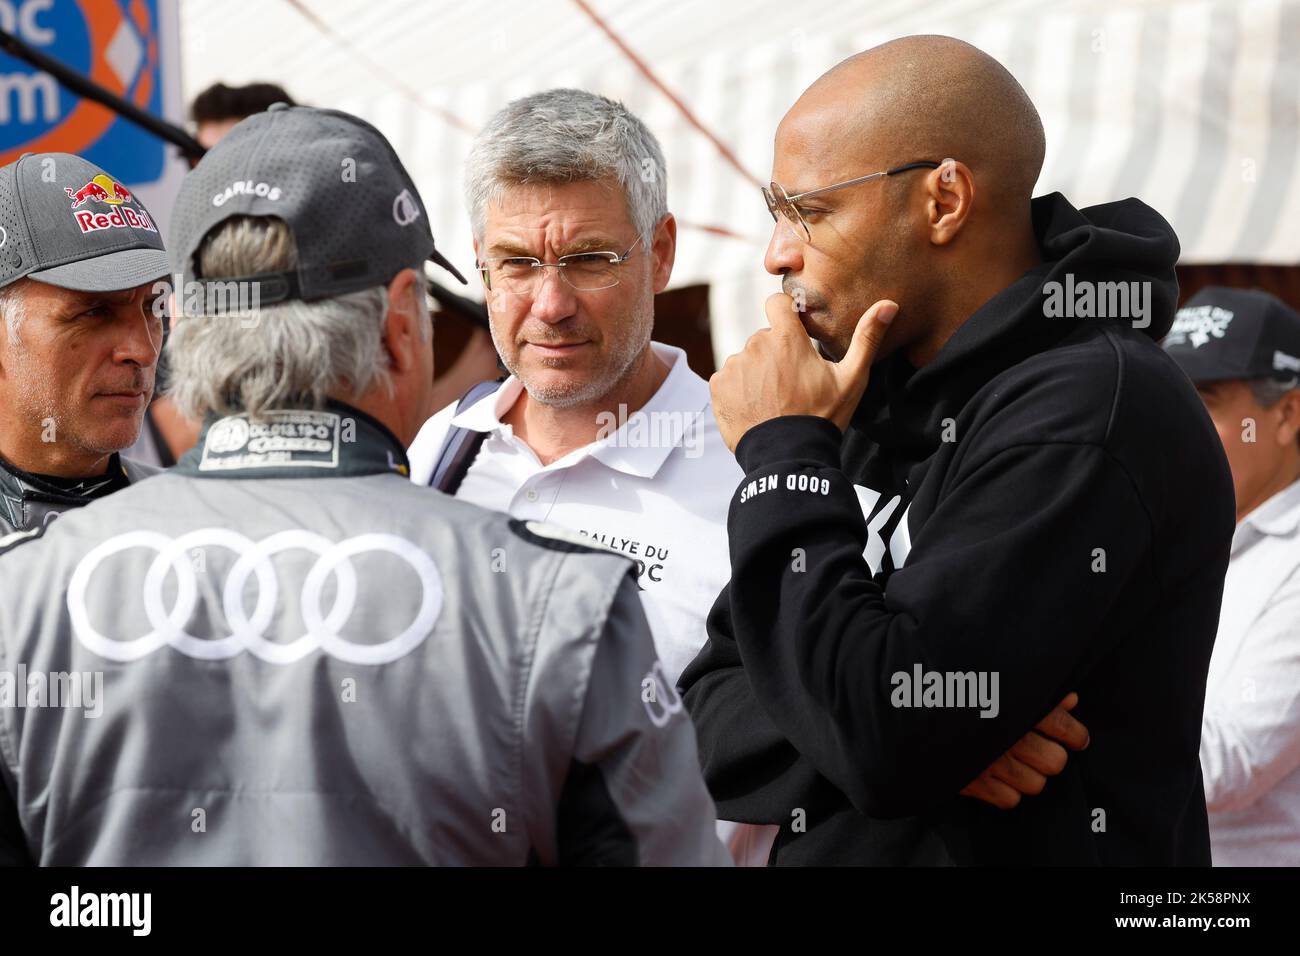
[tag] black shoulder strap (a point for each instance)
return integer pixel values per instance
(460, 447)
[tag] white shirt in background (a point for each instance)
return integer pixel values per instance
(1250, 736)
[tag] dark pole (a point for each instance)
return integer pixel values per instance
(475, 312)
(89, 89)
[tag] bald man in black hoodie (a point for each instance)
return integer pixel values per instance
(1023, 498)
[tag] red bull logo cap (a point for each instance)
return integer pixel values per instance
(66, 222)
(337, 183)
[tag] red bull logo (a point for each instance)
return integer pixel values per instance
(103, 188)
(110, 192)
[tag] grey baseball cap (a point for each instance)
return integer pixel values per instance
(334, 179)
(66, 222)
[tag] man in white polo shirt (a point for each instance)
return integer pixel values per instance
(598, 430)
(1242, 349)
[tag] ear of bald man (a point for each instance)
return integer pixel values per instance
(950, 197)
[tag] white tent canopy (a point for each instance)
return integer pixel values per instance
(1192, 106)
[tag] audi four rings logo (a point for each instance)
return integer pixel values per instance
(248, 632)
(665, 701)
(405, 208)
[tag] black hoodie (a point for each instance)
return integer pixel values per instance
(1046, 502)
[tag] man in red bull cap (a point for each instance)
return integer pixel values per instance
(79, 257)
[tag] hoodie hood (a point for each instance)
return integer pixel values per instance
(1125, 241)
(1094, 259)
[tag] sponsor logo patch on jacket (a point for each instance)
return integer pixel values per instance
(281, 439)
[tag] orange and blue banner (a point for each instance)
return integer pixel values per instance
(113, 42)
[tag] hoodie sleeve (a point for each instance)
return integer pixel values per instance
(753, 773)
(1000, 585)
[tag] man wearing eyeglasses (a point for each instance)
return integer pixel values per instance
(1004, 489)
(598, 429)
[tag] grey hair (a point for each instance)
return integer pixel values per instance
(566, 136)
(291, 354)
(13, 307)
(1269, 391)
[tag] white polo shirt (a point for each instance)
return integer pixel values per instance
(1250, 736)
(656, 488)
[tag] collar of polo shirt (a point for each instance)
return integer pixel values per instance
(679, 400)
(1280, 515)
